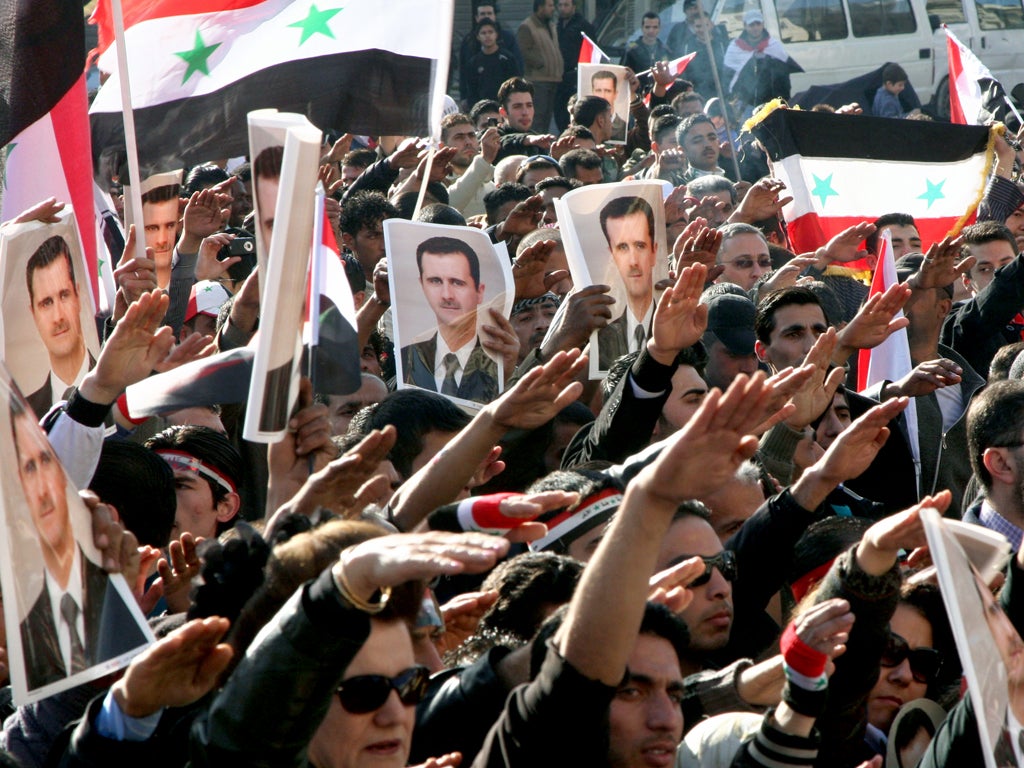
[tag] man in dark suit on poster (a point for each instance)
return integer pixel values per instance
(452, 361)
(78, 619)
(628, 226)
(56, 310)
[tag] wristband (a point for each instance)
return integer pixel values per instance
(803, 701)
(799, 656)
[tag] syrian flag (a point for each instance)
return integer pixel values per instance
(199, 66)
(329, 336)
(890, 360)
(219, 379)
(590, 53)
(44, 125)
(844, 169)
(676, 66)
(975, 96)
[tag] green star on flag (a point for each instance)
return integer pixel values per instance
(823, 189)
(197, 58)
(933, 192)
(99, 266)
(316, 23)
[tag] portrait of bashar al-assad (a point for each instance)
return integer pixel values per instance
(56, 310)
(451, 361)
(78, 619)
(628, 227)
(605, 83)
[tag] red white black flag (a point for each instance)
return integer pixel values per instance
(199, 66)
(44, 127)
(844, 169)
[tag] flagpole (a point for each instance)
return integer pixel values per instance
(431, 150)
(721, 100)
(316, 279)
(1020, 121)
(131, 146)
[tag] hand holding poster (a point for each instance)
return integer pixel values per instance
(444, 281)
(284, 179)
(48, 337)
(614, 234)
(68, 620)
(990, 649)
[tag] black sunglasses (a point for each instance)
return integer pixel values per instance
(367, 693)
(924, 662)
(724, 561)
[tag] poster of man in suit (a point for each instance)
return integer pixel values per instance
(615, 235)
(608, 81)
(75, 622)
(49, 337)
(443, 282)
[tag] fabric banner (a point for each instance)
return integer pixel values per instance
(44, 125)
(197, 68)
(975, 96)
(845, 169)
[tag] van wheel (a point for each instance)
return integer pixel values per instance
(940, 102)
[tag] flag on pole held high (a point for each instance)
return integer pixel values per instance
(330, 323)
(890, 360)
(590, 53)
(199, 66)
(843, 169)
(676, 66)
(44, 127)
(975, 96)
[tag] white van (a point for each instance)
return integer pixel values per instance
(836, 40)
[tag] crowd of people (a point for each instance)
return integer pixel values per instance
(717, 548)
(751, 69)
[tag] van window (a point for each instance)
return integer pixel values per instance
(1000, 14)
(874, 18)
(731, 14)
(805, 21)
(948, 11)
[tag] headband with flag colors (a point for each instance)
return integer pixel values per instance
(44, 125)
(842, 171)
(569, 525)
(590, 53)
(198, 66)
(185, 462)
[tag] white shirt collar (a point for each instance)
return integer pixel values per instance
(75, 589)
(632, 323)
(462, 354)
(58, 385)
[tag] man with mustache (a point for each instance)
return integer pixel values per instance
(452, 361)
(628, 226)
(55, 307)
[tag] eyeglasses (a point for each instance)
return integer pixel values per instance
(724, 561)
(367, 693)
(924, 662)
(745, 263)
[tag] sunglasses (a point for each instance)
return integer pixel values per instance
(724, 561)
(745, 263)
(367, 693)
(924, 662)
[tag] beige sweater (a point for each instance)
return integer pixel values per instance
(539, 43)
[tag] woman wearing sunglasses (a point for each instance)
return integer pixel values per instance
(331, 682)
(919, 660)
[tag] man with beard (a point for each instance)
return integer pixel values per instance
(473, 164)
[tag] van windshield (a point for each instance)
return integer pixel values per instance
(806, 21)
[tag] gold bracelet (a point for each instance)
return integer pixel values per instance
(342, 585)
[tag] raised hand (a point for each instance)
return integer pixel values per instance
(500, 337)
(763, 201)
(873, 323)
(175, 671)
(680, 319)
(881, 543)
(925, 378)
(462, 616)
(132, 352)
(942, 265)
(196, 346)
(541, 393)
(391, 560)
(177, 572)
